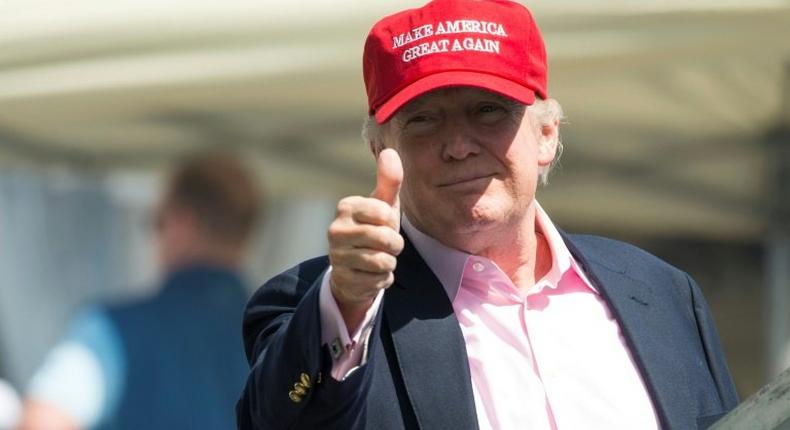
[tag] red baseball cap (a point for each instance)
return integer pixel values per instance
(490, 44)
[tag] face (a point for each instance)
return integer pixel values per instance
(176, 236)
(471, 160)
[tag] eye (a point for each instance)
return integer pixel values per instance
(490, 108)
(420, 122)
(490, 113)
(416, 119)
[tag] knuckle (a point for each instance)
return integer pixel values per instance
(397, 244)
(387, 262)
(371, 211)
(340, 232)
(390, 240)
(386, 281)
(331, 232)
(368, 210)
(346, 206)
(382, 210)
(343, 207)
(369, 235)
(363, 261)
(381, 262)
(336, 228)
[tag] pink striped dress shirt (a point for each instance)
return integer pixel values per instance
(552, 357)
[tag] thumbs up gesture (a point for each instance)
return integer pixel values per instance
(364, 241)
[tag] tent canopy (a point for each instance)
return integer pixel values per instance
(669, 104)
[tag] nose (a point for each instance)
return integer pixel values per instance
(458, 140)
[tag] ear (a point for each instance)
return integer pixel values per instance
(379, 142)
(375, 148)
(180, 223)
(548, 138)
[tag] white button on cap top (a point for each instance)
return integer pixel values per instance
(478, 266)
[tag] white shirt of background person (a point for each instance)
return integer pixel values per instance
(10, 406)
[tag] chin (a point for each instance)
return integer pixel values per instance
(477, 217)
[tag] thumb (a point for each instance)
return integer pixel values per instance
(389, 176)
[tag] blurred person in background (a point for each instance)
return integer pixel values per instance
(173, 360)
(10, 406)
(449, 299)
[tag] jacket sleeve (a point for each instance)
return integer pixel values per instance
(713, 350)
(289, 385)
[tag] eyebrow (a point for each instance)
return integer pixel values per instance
(413, 105)
(423, 99)
(419, 102)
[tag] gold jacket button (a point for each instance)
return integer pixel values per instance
(299, 389)
(294, 396)
(305, 380)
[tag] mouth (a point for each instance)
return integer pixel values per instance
(466, 180)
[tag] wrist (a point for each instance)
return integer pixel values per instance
(353, 310)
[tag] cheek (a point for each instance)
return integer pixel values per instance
(528, 149)
(414, 188)
(411, 188)
(522, 163)
(419, 164)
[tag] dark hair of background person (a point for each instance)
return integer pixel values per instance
(220, 193)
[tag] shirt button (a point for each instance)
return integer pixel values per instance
(478, 266)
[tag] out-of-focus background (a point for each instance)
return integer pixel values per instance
(677, 139)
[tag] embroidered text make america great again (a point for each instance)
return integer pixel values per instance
(460, 26)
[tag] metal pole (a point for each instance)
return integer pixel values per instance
(765, 410)
(777, 241)
(778, 273)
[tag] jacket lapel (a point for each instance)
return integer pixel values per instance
(643, 324)
(429, 346)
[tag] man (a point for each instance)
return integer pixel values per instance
(172, 360)
(449, 300)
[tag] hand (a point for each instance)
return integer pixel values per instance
(364, 241)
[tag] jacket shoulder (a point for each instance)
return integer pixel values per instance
(279, 296)
(294, 280)
(622, 257)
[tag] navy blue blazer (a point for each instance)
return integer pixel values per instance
(417, 374)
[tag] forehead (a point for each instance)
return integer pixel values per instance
(454, 94)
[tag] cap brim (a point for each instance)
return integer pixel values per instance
(484, 81)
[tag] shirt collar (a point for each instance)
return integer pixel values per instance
(445, 262)
(448, 263)
(561, 258)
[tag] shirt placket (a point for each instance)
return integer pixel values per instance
(486, 273)
(534, 328)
